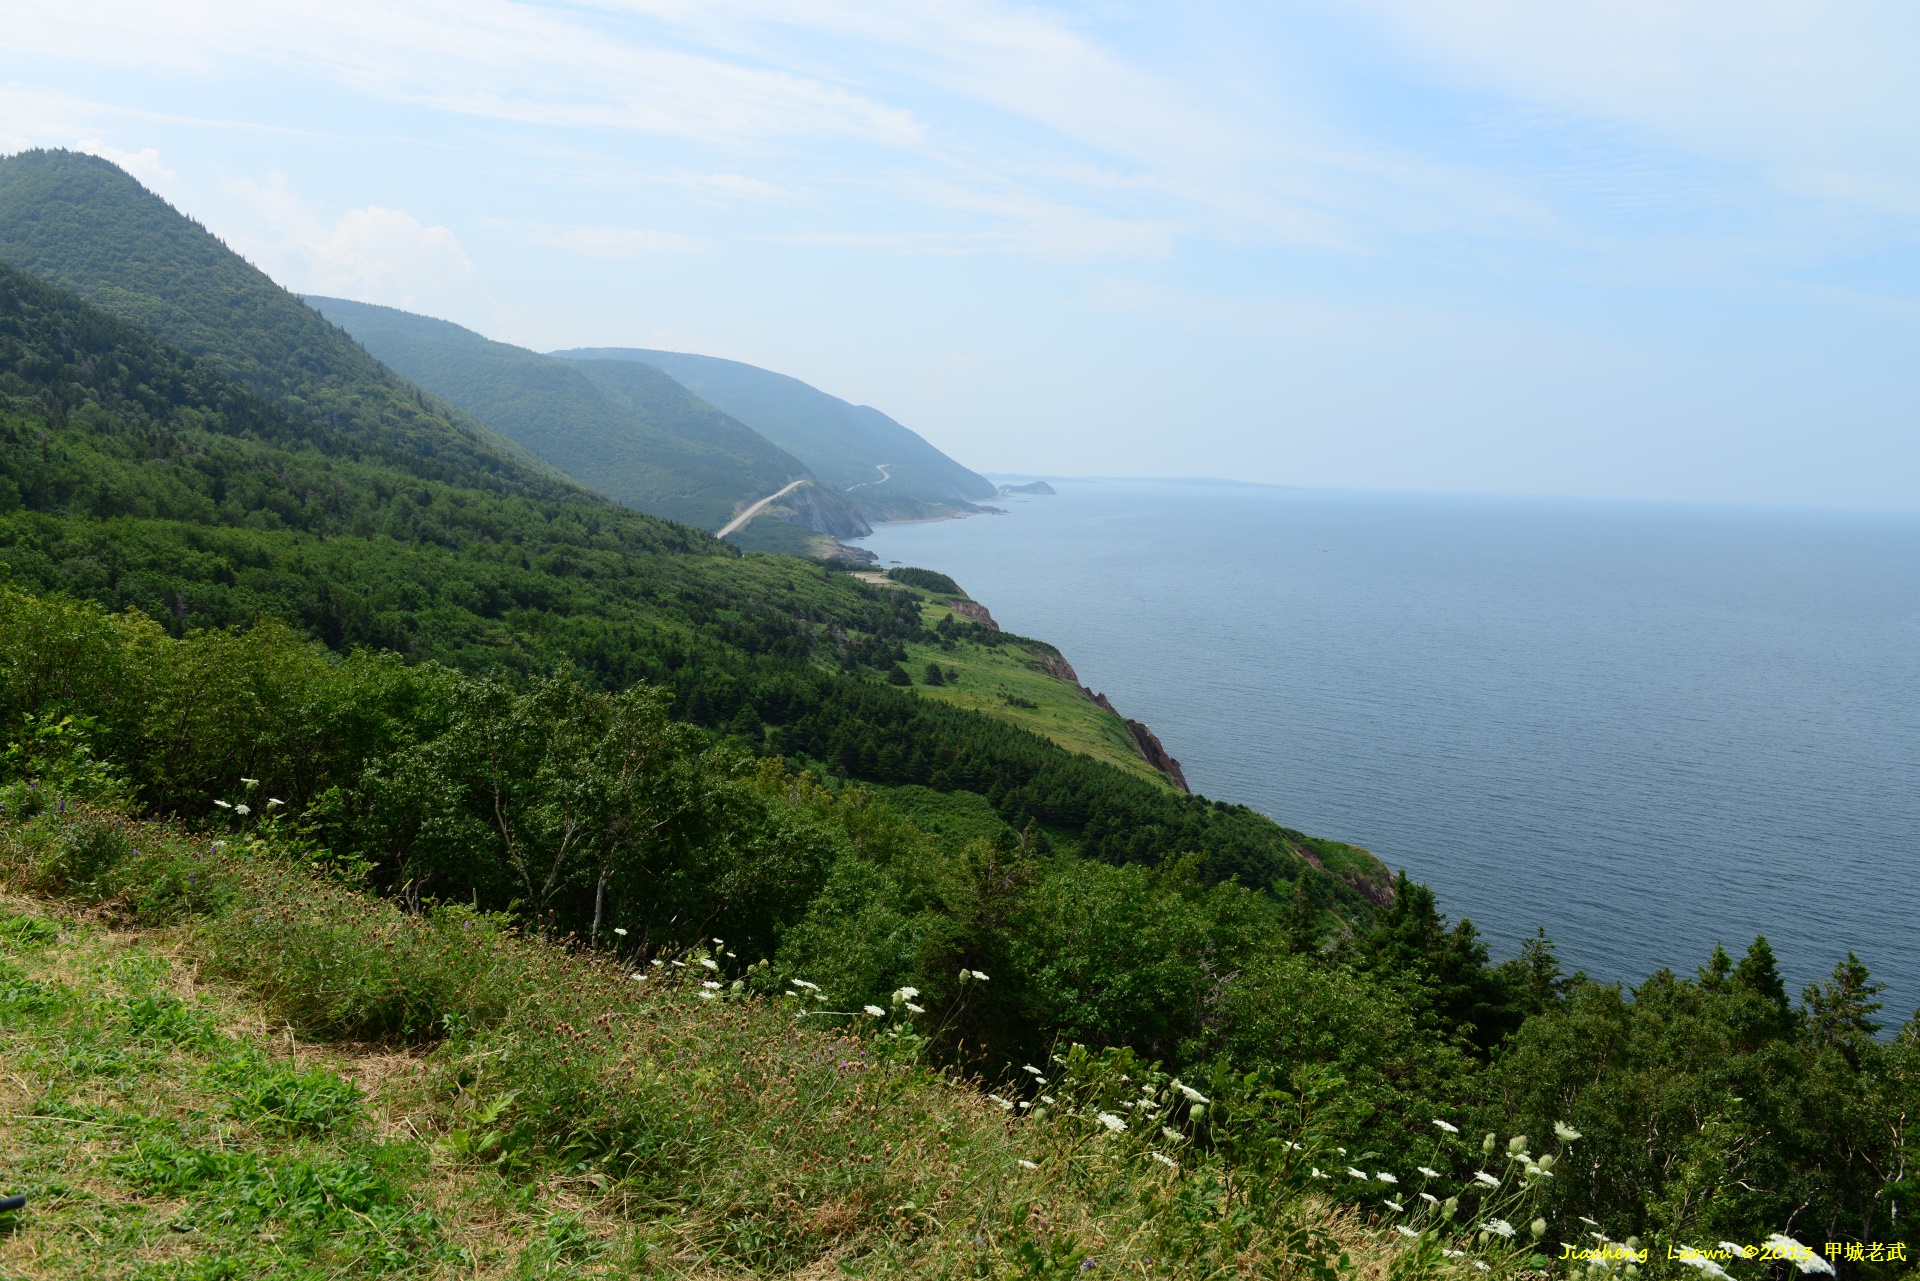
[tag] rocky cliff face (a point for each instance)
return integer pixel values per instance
(1145, 741)
(973, 611)
(1155, 755)
(824, 512)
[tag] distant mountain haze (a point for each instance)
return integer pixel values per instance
(884, 468)
(82, 224)
(627, 430)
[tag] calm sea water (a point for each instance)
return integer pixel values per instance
(1647, 728)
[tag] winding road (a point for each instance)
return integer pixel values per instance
(886, 474)
(754, 510)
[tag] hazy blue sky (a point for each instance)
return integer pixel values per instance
(1615, 247)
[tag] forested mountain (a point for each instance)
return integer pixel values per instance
(628, 431)
(82, 224)
(887, 470)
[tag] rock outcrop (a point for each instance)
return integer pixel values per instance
(974, 611)
(1145, 742)
(1057, 665)
(824, 512)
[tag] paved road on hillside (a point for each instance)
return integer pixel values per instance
(886, 475)
(754, 510)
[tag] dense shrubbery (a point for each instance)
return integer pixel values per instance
(926, 579)
(1710, 1106)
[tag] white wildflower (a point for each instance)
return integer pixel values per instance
(638, 978)
(709, 963)
(1428, 1170)
(1112, 1122)
(678, 965)
(978, 975)
(243, 809)
(1430, 1198)
(1453, 1254)
(1005, 1104)
(1500, 1228)
(225, 805)
(1483, 1267)
(1565, 1133)
(1589, 1222)
(1404, 1230)
(734, 955)
(1173, 1135)
(711, 987)
(802, 983)
(251, 782)
(1024, 1105)
(657, 962)
(1450, 1129)
(1165, 1160)
(1025, 1164)
(875, 1010)
(1805, 1259)
(1031, 1070)
(916, 1009)
(273, 801)
(1048, 1099)
(1318, 1173)
(1695, 1259)
(706, 996)
(1481, 1176)
(617, 930)
(906, 993)
(1341, 1151)
(1734, 1248)
(1192, 1095)
(1395, 1206)
(1358, 1174)
(1384, 1177)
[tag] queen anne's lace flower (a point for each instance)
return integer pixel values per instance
(1565, 1133)
(1450, 1129)
(1482, 1177)
(1112, 1122)
(1500, 1228)
(1805, 1259)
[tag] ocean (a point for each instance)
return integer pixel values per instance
(1647, 728)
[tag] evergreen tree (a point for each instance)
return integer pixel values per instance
(1840, 1011)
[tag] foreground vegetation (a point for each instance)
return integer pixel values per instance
(490, 817)
(195, 1092)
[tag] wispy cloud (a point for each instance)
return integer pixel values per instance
(370, 254)
(613, 242)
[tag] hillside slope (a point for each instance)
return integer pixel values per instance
(83, 225)
(186, 1097)
(627, 431)
(884, 468)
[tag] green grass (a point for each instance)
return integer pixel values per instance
(1007, 681)
(218, 1064)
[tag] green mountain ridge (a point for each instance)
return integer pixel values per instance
(624, 430)
(82, 224)
(884, 468)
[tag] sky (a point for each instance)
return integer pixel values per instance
(1610, 248)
